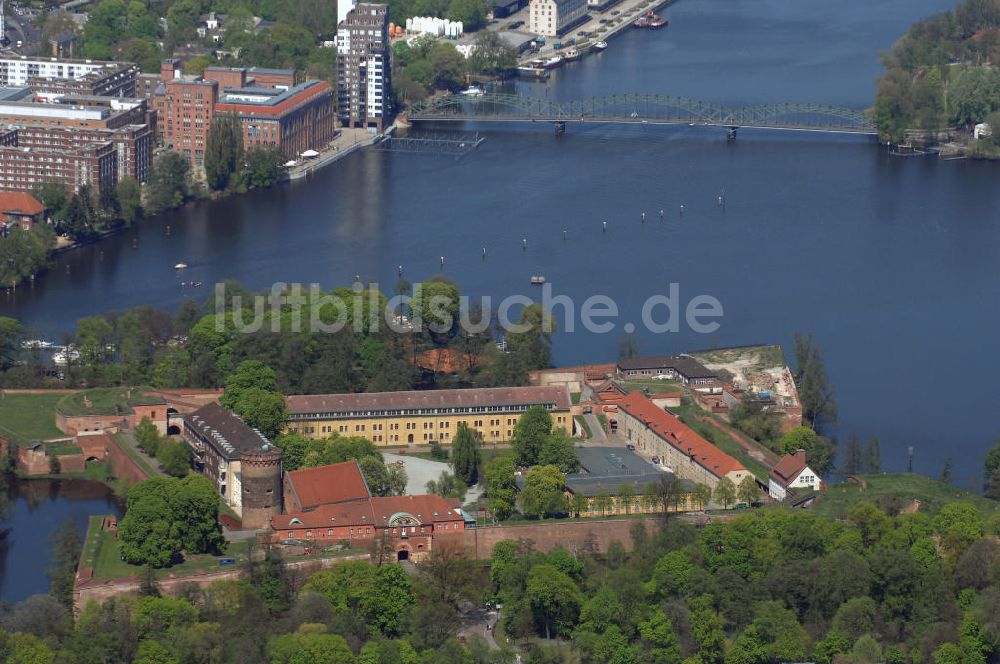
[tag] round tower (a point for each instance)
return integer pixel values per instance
(261, 486)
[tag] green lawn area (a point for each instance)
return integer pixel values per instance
(582, 421)
(724, 443)
(106, 401)
(900, 489)
(653, 386)
(28, 417)
(129, 450)
(62, 447)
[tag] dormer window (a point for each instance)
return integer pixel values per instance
(295, 522)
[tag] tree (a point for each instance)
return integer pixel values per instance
(501, 488)
(466, 456)
(725, 492)
(702, 494)
(543, 493)
(147, 436)
(491, 55)
(531, 345)
(447, 65)
(167, 186)
(264, 167)
(946, 470)
(66, 547)
(262, 410)
(129, 195)
(250, 374)
(818, 403)
(397, 478)
(626, 497)
(873, 457)
(310, 645)
(852, 456)
(530, 433)
(819, 450)
(558, 450)
(472, 13)
(554, 598)
(223, 151)
(748, 491)
(447, 486)
(175, 458)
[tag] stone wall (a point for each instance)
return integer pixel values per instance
(578, 536)
(122, 465)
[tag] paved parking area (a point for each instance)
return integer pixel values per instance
(421, 471)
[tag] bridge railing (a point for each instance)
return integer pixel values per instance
(642, 107)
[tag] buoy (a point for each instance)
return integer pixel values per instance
(484, 252)
(643, 217)
(135, 243)
(400, 270)
(442, 262)
(357, 278)
(564, 234)
(661, 215)
(524, 243)
(605, 226)
(168, 230)
(682, 210)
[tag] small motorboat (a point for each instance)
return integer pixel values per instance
(600, 46)
(197, 284)
(64, 357)
(180, 266)
(572, 55)
(473, 91)
(537, 280)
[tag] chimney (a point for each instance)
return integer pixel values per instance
(800, 454)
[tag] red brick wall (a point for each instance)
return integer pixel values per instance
(32, 461)
(570, 535)
(122, 465)
(72, 463)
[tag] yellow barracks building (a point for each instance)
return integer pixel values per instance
(423, 417)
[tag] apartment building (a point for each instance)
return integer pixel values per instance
(50, 77)
(364, 67)
(552, 18)
(423, 417)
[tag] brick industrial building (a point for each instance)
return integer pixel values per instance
(364, 67)
(77, 140)
(273, 111)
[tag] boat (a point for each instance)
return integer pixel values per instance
(180, 266)
(64, 357)
(553, 62)
(600, 46)
(473, 91)
(532, 72)
(197, 284)
(651, 21)
(36, 344)
(537, 280)
(572, 55)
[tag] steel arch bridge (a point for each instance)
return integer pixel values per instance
(641, 109)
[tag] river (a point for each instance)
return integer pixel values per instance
(38, 508)
(890, 263)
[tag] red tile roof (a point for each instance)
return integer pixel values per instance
(323, 485)
(679, 435)
(484, 396)
(18, 202)
(789, 467)
(427, 509)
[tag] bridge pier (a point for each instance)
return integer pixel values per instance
(560, 128)
(731, 133)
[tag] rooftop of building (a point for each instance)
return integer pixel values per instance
(258, 96)
(379, 511)
(679, 435)
(681, 363)
(612, 461)
(14, 93)
(230, 435)
(328, 485)
(13, 57)
(427, 399)
(105, 401)
(789, 467)
(19, 202)
(69, 107)
(607, 469)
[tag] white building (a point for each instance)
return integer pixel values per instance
(792, 472)
(552, 18)
(364, 67)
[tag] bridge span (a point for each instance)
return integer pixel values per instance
(641, 109)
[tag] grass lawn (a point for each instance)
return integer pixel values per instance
(899, 488)
(106, 401)
(62, 447)
(582, 421)
(27, 417)
(653, 386)
(727, 445)
(129, 450)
